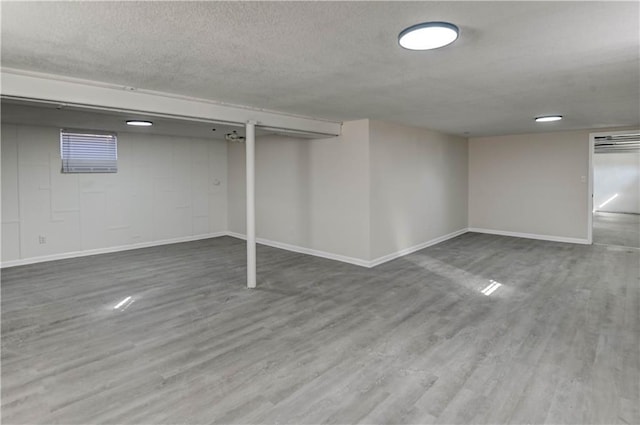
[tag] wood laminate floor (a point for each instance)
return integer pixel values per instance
(616, 229)
(411, 341)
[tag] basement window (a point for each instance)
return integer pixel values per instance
(88, 151)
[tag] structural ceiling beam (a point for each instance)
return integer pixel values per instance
(30, 86)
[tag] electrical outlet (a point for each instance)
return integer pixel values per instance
(42, 240)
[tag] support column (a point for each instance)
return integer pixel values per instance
(250, 144)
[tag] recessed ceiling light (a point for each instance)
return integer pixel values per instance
(428, 35)
(549, 118)
(139, 123)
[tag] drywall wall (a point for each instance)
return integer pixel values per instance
(418, 187)
(617, 176)
(533, 184)
(311, 194)
(378, 189)
(166, 188)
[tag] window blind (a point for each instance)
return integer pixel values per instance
(618, 143)
(89, 151)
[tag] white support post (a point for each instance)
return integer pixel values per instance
(250, 143)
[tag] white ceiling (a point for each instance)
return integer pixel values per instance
(341, 60)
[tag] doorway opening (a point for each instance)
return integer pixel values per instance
(615, 202)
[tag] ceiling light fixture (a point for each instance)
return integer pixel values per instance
(428, 35)
(138, 123)
(549, 118)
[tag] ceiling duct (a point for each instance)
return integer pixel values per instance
(618, 143)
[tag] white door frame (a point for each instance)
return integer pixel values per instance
(592, 140)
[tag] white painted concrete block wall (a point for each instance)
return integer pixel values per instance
(164, 189)
(378, 189)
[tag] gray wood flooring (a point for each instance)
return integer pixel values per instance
(411, 341)
(616, 229)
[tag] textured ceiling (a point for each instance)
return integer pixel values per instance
(341, 60)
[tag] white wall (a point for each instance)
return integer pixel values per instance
(418, 186)
(164, 189)
(617, 173)
(534, 184)
(378, 189)
(311, 194)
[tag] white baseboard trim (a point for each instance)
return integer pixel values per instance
(303, 250)
(288, 247)
(530, 236)
(415, 248)
(74, 254)
(351, 260)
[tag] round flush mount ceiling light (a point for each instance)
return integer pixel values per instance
(138, 123)
(549, 118)
(428, 35)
